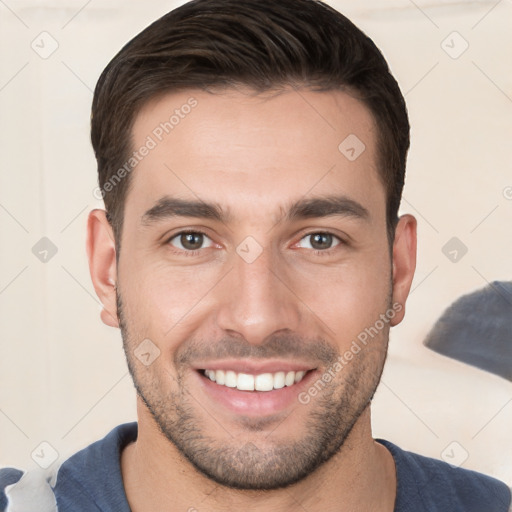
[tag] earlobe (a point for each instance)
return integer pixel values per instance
(404, 262)
(101, 254)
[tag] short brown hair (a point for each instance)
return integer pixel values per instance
(263, 44)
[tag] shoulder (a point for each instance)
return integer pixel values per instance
(8, 477)
(88, 481)
(91, 478)
(30, 490)
(435, 485)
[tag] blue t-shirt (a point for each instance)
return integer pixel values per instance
(91, 481)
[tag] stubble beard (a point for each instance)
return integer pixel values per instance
(246, 463)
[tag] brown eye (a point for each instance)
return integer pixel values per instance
(189, 241)
(320, 241)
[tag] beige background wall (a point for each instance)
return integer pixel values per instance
(63, 375)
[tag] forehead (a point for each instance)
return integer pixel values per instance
(250, 151)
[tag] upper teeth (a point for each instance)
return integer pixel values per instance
(261, 382)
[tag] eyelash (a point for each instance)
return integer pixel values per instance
(180, 252)
(195, 252)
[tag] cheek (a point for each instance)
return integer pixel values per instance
(338, 300)
(161, 296)
(347, 298)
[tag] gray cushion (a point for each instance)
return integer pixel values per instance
(477, 329)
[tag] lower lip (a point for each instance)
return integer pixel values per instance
(255, 403)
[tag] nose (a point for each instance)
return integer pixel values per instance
(257, 299)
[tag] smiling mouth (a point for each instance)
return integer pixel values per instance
(249, 382)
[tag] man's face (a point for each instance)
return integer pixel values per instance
(261, 288)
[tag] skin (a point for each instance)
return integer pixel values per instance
(254, 155)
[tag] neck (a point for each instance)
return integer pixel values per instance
(361, 476)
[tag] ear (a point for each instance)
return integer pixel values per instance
(101, 253)
(404, 262)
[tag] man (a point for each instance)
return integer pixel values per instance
(251, 156)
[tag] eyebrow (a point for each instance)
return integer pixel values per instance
(316, 207)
